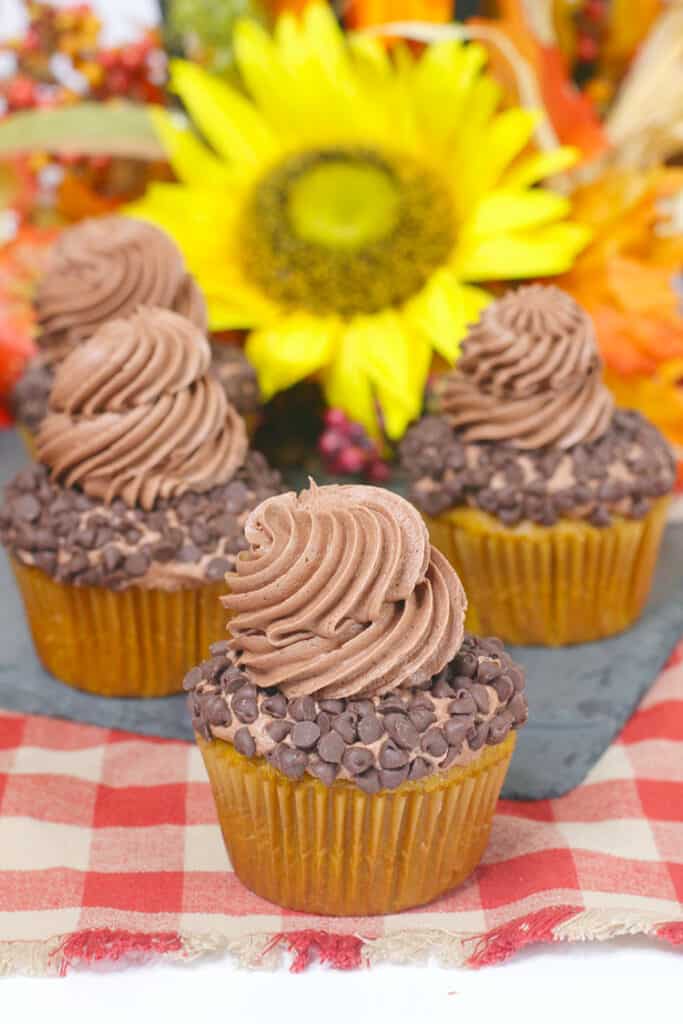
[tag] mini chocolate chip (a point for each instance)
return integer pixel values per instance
(477, 736)
(441, 688)
(302, 709)
(86, 537)
(275, 705)
(345, 725)
(324, 771)
(391, 779)
(401, 730)
(217, 711)
(464, 704)
(277, 730)
(243, 742)
(499, 727)
(504, 687)
(370, 727)
(481, 697)
(421, 718)
(357, 760)
(451, 756)
(220, 647)
(78, 563)
(465, 664)
(488, 671)
(392, 702)
(455, 730)
(305, 735)
(331, 747)
(516, 674)
(245, 707)
(333, 707)
(212, 667)
(291, 762)
(193, 677)
(26, 507)
(47, 561)
(391, 756)
(461, 683)
(361, 707)
(518, 708)
(434, 743)
(136, 564)
(368, 781)
(199, 533)
(189, 553)
(217, 568)
(418, 769)
(600, 516)
(232, 680)
(324, 721)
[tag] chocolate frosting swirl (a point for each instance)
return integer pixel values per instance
(105, 268)
(529, 374)
(341, 594)
(137, 415)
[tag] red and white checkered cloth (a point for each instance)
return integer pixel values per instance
(109, 849)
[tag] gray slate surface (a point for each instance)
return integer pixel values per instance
(579, 697)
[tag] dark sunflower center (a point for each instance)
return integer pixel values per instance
(346, 231)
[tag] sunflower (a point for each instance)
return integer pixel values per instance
(343, 206)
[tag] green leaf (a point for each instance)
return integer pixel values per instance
(118, 128)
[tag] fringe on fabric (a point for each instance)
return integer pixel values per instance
(88, 948)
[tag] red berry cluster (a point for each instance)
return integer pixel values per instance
(346, 449)
(590, 18)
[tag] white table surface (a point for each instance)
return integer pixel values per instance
(624, 980)
(619, 981)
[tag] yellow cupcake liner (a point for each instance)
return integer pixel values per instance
(565, 584)
(120, 643)
(339, 851)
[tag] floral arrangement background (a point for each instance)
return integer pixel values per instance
(350, 197)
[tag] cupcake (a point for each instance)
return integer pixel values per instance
(548, 501)
(98, 270)
(356, 739)
(239, 381)
(121, 534)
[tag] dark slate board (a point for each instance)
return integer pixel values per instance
(579, 697)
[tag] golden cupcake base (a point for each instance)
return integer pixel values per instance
(339, 851)
(565, 584)
(120, 643)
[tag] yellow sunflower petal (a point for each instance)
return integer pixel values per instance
(232, 124)
(290, 350)
(346, 383)
(189, 158)
(397, 364)
(503, 140)
(504, 211)
(443, 311)
(549, 250)
(531, 169)
(443, 80)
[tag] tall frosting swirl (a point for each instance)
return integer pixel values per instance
(105, 268)
(529, 374)
(137, 415)
(341, 594)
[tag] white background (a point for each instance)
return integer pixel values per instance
(623, 980)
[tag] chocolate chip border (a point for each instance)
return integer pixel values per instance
(619, 474)
(80, 540)
(376, 743)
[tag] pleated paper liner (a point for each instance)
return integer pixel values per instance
(120, 643)
(565, 584)
(339, 851)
